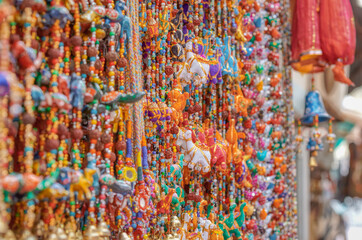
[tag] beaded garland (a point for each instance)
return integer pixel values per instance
(166, 119)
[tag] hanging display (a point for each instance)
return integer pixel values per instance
(146, 120)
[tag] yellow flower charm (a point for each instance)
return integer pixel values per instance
(129, 174)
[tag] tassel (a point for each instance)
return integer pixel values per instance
(339, 75)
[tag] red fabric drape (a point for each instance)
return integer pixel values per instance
(306, 44)
(337, 31)
(338, 35)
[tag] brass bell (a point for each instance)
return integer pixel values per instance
(103, 230)
(169, 236)
(124, 236)
(27, 235)
(9, 235)
(91, 233)
(72, 236)
(79, 235)
(313, 163)
(39, 229)
(53, 236)
(3, 227)
(69, 227)
(61, 234)
(173, 236)
(175, 222)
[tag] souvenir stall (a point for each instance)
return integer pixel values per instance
(147, 120)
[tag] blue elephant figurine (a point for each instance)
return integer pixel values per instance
(312, 144)
(92, 165)
(77, 90)
(248, 49)
(37, 95)
(273, 237)
(220, 48)
(56, 13)
(64, 177)
(4, 85)
(230, 66)
(258, 22)
(117, 186)
(45, 76)
(124, 20)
